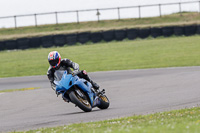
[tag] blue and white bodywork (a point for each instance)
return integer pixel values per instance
(67, 83)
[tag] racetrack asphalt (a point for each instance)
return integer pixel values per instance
(131, 92)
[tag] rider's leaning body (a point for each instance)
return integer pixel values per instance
(56, 63)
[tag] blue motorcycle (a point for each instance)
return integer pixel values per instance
(79, 91)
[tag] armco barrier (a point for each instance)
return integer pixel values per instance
(132, 33)
(167, 31)
(35, 42)
(120, 35)
(108, 35)
(71, 39)
(47, 41)
(144, 33)
(156, 32)
(11, 44)
(60, 40)
(83, 37)
(179, 30)
(96, 37)
(23, 43)
(190, 30)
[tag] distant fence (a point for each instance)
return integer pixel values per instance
(93, 14)
(95, 37)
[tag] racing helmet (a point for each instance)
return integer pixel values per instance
(54, 59)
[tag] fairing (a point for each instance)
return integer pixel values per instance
(68, 81)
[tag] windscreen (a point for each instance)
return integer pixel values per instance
(58, 75)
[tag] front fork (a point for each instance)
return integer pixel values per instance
(96, 101)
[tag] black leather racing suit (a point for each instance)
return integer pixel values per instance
(66, 64)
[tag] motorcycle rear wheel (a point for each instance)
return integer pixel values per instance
(79, 101)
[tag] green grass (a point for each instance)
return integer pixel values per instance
(173, 19)
(13, 90)
(177, 121)
(138, 54)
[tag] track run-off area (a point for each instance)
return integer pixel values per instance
(131, 92)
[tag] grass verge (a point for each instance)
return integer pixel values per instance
(124, 55)
(173, 19)
(13, 90)
(177, 121)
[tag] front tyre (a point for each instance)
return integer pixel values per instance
(80, 99)
(104, 102)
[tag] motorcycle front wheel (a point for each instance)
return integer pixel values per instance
(104, 102)
(81, 100)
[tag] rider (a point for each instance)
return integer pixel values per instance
(56, 63)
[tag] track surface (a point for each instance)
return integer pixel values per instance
(130, 92)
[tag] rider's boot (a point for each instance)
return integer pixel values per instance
(95, 85)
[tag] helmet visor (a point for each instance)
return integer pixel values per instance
(54, 62)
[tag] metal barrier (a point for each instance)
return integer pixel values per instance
(97, 13)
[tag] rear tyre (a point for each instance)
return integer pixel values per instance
(104, 102)
(80, 100)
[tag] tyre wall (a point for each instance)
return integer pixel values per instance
(2, 45)
(144, 33)
(11, 44)
(83, 37)
(198, 29)
(95, 37)
(47, 41)
(190, 30)
(71, 39)
(108, 35)
(179, 31)
(156, 32)
(23, 43)
(59, 40)
(132, 33)
(167, 31)
(35, 42)
(120, 35)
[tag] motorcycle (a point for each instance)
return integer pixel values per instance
(79, 91)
